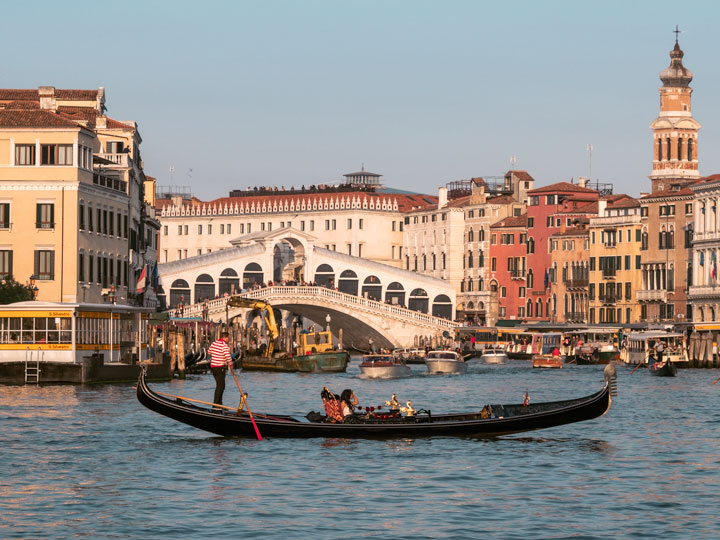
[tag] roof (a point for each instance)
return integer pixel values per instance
(583, 208)
(35, 118)
(512, 221)
(574, 231)
(31, 94)
(624, 203)
(501, 199)
(562, 186)
(405, 203)
(521, 175)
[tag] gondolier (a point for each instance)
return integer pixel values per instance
(220, 360)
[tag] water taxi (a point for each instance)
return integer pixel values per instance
(440, 362)
(641, 348)
(383, 366)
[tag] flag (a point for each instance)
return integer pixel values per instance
(141, 280)
(155, 278)
(546, 278)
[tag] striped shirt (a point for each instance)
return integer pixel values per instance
(219, 354)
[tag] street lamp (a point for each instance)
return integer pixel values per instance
(327, 320)
(33, 288)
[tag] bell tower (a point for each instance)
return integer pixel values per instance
(675, 130)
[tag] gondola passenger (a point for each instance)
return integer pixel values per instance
(348, 402)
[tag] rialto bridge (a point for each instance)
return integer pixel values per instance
(364, 298)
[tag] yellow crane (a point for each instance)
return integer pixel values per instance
(237, 301)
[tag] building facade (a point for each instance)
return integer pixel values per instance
(508, 266)
(569, 255)
(704, 287)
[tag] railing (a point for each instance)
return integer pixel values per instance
(652, 295)
(576, 282)
(579, 316)
(704, 290)
(123, 160)
(608, 273)
(517, 274)
(218, 304)
(608, 298)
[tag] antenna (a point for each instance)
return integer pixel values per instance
(590, 150)
(513, 161)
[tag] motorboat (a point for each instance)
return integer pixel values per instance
(383, 366)
(440, 362)
(547, 361)
(494, 356)
(491, 420)
(415, 355)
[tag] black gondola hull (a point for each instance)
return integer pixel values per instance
(511, 419)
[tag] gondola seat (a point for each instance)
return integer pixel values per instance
(332, 406)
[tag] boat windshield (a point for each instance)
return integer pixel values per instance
(442, 355)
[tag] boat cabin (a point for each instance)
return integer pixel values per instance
(641, 346)
(314, 342)
(524, 345)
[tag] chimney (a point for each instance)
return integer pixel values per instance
(47, 98)
(442, 198)
(602, 205)
(177, 200)
(582, 181)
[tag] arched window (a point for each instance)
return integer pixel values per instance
(529, 308)
(539, 308)
(470, 285)
(443, 261)
(442, 307)
(668, 148)
(671, 240)
(660, 155)
(252, 275)
(530, 279)
(644, 241)
(470, 259)
(493, 286)
(179, 293)
(471, 236)
(204, 287)
(372, 288)
(325, 276)
(434, 262)
(424, 262)
(531, 245)
(690, 149)
(229, 282)
(481, 285)
(481, 260)
(418, 300)
(348, 282)
(481, 235)
(395, 294)
(679, 148)
(415, 265)
(407, 262)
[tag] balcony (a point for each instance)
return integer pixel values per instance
(608, 298)
(123, 160)
(575, 316)
(572, 283)
(705, 291)
(654, 295)
(609, 273)
(517, 274)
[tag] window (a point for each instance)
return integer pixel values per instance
(531, 222)
(327, 224)
(45, 215)
(534, 200)
(591, 291)
(56, 154)
(688, 208)
(493, 264)
(91, 268)
(628, 291)
(185, 230)
(503, 292)
(627, 262)
(643, 211)
(45, 264)
(637, 262)
(493, 239)
(24, 154)
(349, 249)
(6, 260)
(222, 228)
(111, 223)
(115, 147)
(5, 216)
(521, 292)
(210, 228)
(334, 225)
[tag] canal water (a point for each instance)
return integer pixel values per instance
(91, 462)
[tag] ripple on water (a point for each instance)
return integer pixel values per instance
(90, 462)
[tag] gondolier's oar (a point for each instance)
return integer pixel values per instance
(244, 400)
(716, 380)
(639, 365)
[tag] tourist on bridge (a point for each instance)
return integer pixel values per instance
(220, 360)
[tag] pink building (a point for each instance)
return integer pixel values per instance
(508, 266)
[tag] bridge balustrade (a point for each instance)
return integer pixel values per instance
(218, 304)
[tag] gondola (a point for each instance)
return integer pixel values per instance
(491, 421)
(663, 369)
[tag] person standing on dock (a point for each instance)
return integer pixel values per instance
(220, 360)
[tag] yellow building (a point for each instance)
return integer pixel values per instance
(74, 217)
(615, 275)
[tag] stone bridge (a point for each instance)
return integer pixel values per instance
(360, 318)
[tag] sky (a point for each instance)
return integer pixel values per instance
(265, 93)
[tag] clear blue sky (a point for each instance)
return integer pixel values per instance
(299, 92)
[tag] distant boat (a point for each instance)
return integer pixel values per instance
(439, 362)
(383, 366)
(494, 356)
(547, 361)
(663, 369)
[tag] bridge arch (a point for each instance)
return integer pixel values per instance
(204, 287)
(395, 294)
(289, 255)
(442, 307)
(229, 282)
(372, 288)
(253, 274)
(325, 275)
(348, 282)
(418, 300)
(179, 293)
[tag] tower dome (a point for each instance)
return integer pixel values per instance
(676, 74)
